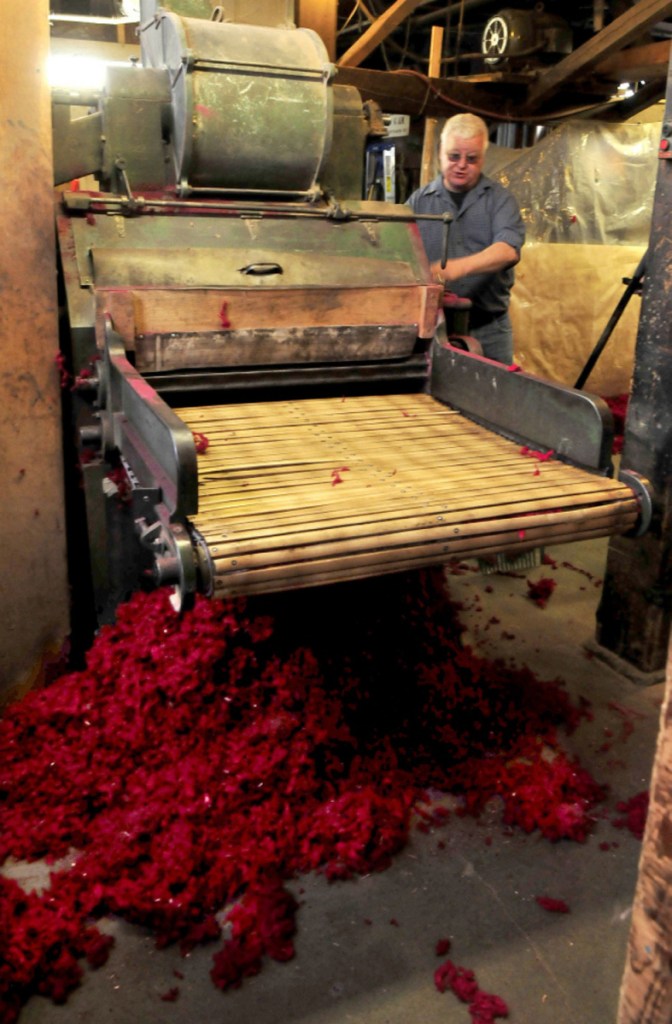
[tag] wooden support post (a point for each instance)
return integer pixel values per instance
(646, 988)
(636, 608)
(431, 123)
(322, 17)
(34, 600)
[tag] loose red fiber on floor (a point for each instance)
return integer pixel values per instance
(633, 814)
(550, 903)
(540, 590)
(202, 762)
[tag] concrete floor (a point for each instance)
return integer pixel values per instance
(365, 948)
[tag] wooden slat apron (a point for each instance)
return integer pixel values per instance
(299, 493)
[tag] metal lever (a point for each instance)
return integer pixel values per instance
(446, 218)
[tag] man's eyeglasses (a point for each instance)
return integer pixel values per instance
(471, 158)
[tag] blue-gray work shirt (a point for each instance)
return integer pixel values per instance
(489, 213)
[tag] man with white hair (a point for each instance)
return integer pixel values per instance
(485, 236)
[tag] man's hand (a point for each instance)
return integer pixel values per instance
(496, 257)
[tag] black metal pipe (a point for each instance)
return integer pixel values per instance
(632, 286)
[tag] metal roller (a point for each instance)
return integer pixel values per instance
(251, 107)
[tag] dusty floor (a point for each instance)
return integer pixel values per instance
(366, 948)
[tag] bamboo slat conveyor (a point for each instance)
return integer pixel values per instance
(314, 491)
(216, 286)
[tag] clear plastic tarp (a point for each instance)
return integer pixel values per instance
(586, 194)
(586, 182)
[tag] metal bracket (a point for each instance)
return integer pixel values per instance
(642, 489)
(159, 453)
(529, 410)
(157, 445)
(173, 554)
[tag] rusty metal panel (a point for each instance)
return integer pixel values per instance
(76, 144)
(135, 113)
(237, 267)
(635, 613)
(324, 251)
(273, 346)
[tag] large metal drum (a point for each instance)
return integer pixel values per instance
(251, 105)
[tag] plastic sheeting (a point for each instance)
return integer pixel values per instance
(586, 194)
(586, 182)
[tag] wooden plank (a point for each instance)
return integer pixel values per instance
(195, 310)
(345, 541)
(377, 33)
(233, 585)
(429, 142)
(36, 597)
(646, 987)
(637, 64)
(622, 30)
(286, 577)
(409, 92)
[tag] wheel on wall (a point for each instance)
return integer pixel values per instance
(495, 41)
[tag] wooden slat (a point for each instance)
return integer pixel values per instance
(422, 484)
(233, 585)
(150, 311)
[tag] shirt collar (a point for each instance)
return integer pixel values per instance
(437, 186)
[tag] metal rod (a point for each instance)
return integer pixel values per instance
(633, 285)
(140, 204)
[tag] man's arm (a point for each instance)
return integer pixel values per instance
(497, 256)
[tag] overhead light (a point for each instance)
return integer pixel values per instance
(86, 73)
(625, 91)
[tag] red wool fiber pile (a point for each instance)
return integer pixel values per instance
(634, 813)
(200, 762)
(484, 1008)
(555, 906)
(540, 591)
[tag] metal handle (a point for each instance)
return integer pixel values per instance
(261, 269)
(447, 218)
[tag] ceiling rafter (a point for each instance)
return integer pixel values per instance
(616, 36)
(377, 33)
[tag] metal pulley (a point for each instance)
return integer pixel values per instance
(516, 35)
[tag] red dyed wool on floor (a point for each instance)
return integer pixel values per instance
(552, 904)
(633, 814)
(203, 761)
(484, 1008)
(540, 591)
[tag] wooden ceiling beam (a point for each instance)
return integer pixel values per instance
(637, 64)
(622, 31)
(377, 33)
(400, 92)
